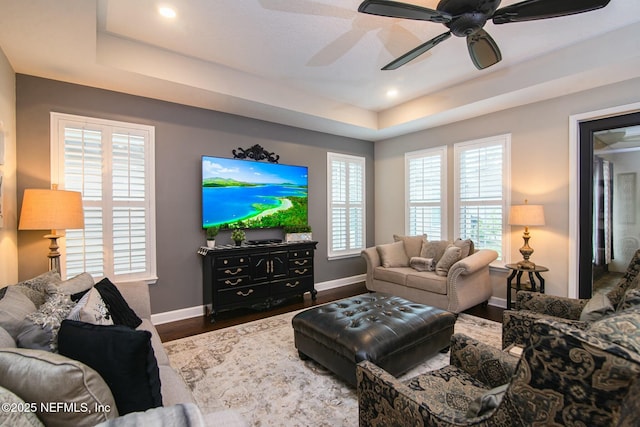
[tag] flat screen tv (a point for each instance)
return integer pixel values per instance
(251, 194)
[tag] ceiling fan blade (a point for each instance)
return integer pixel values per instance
(394, 9)
(530, 10)
(414, 53)
(483, 50)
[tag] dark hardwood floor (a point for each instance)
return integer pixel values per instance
(197, 325)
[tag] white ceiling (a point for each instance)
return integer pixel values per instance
(314, 64)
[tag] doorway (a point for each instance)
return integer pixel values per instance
(608, 219)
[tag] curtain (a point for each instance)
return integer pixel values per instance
(602, 211)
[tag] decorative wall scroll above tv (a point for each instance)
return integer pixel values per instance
(256, 153)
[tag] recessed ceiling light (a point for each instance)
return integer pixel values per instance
(167, 12)
(392, 93)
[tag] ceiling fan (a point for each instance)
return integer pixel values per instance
(466, 18)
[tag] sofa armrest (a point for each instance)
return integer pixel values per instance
(550, 305)
(137, 296)
(487, 364)
(372, 257)
(474, 262)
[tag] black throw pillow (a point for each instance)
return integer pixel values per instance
(121, 355)
(120, 311)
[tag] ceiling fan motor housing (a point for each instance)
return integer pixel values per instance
(469, 16)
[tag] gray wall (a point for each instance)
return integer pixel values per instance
(183, 135)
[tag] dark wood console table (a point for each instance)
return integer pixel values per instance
(256, 276)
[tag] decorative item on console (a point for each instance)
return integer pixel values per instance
(297, 233)
(238, 236)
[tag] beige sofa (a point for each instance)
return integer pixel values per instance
(465, 284)
(178, 403)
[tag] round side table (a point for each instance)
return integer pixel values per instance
(517, 273)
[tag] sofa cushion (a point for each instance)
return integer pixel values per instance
(434, 249)
(9, 417)
(396, 275)
(393, 255)
(14, 307)
(451, 256)
(412, 244)
(40, 286)
(156, 343)
(43, 377)
(121, 355)
(6, 340)
(427, 281)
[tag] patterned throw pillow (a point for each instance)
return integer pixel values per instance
(38, 288)
(434, 249)
(622, 329)
(39, 329)
(91, 309)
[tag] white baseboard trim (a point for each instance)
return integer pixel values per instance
(498, 302)
(197, 311)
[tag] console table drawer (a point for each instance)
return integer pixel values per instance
(302, 253)
(231, 261)
(291, 285)
(233, 282)
(232, 271)
(300, 271)
(246, 293)
(300, 262)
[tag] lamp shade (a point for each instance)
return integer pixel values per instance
(526, 215)
(51, 209)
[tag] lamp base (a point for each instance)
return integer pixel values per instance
(53, 255)
(525, 264)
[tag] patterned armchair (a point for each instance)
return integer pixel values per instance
(567, 376)
(532, 306)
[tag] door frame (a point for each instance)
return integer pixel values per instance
(575, 151)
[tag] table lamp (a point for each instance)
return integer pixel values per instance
(527, 215)
(51, 209)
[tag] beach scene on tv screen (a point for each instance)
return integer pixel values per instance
(250, 194)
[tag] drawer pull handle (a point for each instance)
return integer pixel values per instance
(301, 262)
(292, 285)
(301, 271)
(233, 273)
(242, 294)
(229, 282)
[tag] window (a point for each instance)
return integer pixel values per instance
(346, 204)
(112, 165)
(426, 193)
(482, 172)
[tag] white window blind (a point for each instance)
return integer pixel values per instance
(482, 191)
(346, 204)
(111, 164)
(426, 190)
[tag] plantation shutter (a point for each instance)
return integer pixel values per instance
(481, 192)
(110, 163)
(346, 228)
(426, 191)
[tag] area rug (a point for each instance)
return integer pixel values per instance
(254, 368)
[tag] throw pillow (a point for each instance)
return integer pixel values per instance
(122, 356)
(422, 264)
(91, 309)
(393, 255)
(622, 329)
(80, 283)
(40, 286)
(434, 249)
(596, 308)
(120, 311)
(487, 401)
(6, 340)
(14, 307)
(39, 330)
(466, 247)
(41, 377)
(450, 257)
(412, 244)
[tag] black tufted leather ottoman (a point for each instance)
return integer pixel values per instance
(392, 332)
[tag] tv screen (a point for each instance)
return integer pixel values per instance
(251, 194)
